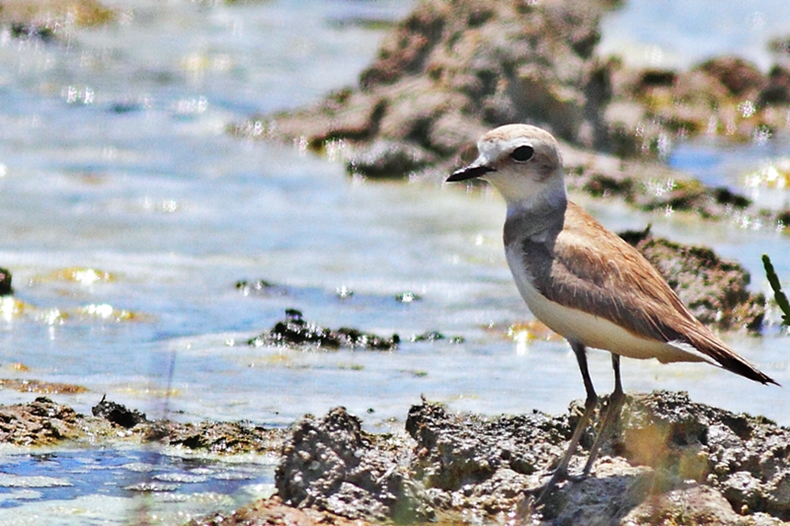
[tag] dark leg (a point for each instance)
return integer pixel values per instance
(616, 400)
(561, 473)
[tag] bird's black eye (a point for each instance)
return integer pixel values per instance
(522, 154)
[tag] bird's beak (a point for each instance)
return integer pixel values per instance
(476, 169)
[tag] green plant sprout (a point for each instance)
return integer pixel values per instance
(779, 296)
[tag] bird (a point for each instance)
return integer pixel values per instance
(583, 281)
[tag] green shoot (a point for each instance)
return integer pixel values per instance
(779, 296)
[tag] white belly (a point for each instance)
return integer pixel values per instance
(593, 331)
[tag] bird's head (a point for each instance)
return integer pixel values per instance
(522, 162)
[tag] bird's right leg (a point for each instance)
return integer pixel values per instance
(561, 473)
(616, 400)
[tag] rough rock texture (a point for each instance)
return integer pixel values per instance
(215, 437)
(480, 462)
(294, 330)
(41, 422)
(725, 96)
(45, 423)
(272, 512)
(451, 70)
(117, 413)
(671, 461)
(714, 289)
(694, 504)
(331, 464)
(745, 458)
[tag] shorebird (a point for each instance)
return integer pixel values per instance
(583, 281)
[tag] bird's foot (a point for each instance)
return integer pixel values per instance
(559, 475)
(576, 478)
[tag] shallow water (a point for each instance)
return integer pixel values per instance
(113, 486)
(681, 34)
(113, 157)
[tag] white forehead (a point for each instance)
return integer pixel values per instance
(503, 140)
(493, 149)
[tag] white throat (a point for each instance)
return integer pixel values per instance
(552, 196)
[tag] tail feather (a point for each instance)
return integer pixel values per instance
(708, 344)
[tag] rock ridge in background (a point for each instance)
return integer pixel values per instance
(449, 72)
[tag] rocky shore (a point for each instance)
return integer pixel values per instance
(670, 458)
(670, 461)
(44, 422)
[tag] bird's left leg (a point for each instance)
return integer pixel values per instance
(561, 473)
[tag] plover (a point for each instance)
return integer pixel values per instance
(583, 281)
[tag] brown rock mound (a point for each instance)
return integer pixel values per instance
(670, 458)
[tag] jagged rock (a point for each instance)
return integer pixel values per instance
(272, 512)
(331, 464)
(669, 458)
(117, 413)
(45, 423)
(448, 72)
(471, 63)
(746, 458)
(294, 330)
(215, 437)
(41, 422)
(725, 96)
(715, 290)
(692, 505)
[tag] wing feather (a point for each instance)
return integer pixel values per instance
(631, 293)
